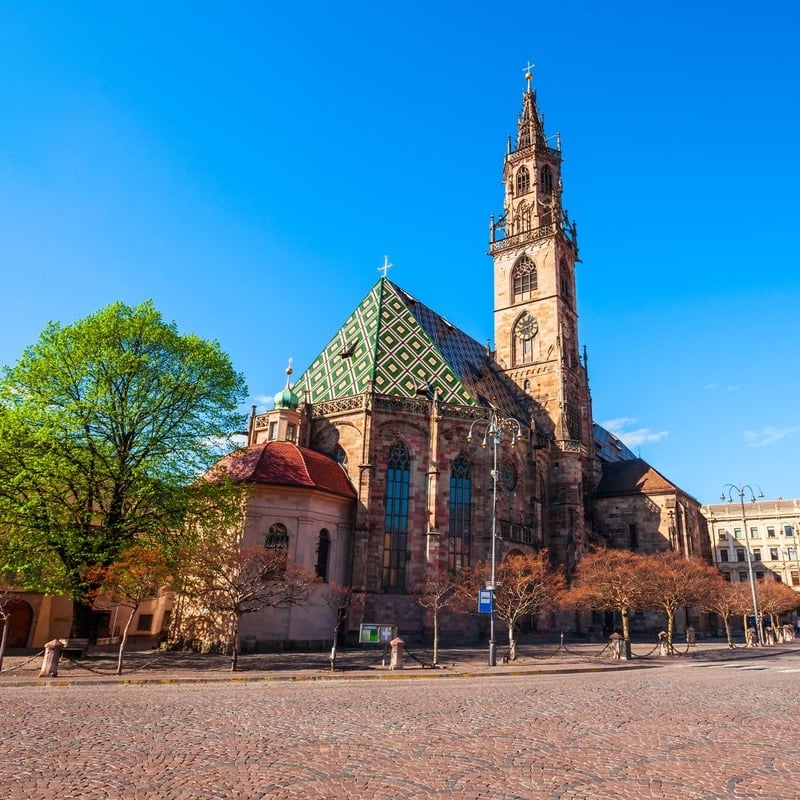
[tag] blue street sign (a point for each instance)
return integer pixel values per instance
(485, 604)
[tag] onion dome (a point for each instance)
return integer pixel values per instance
(286, 398)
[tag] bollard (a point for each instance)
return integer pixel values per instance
(691, 639)
(397, 653)
(52, 653)
(663, 644)
(615, 642)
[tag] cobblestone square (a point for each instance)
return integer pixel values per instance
(689, 730)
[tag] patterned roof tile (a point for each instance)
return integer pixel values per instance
(394, 344)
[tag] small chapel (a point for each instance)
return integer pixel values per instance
(406, 444)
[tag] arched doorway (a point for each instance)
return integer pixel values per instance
(20, 617)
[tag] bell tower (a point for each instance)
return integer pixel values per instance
(534, 247)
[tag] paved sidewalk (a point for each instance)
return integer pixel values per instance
(152, 666)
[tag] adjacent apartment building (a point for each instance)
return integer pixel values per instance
(770, 529)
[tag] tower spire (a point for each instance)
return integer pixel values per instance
(530, 125)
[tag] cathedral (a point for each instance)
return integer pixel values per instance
(406, 444)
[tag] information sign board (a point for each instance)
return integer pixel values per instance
(485, 598)
(376, 634)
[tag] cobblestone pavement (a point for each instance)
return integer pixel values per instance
(689, 730)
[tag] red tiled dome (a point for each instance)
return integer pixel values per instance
(286, 464)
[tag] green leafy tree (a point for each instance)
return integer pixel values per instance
(104, 426)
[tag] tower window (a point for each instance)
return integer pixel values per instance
(547, 179)
(523, 180)
(395, 537)
(524, 279)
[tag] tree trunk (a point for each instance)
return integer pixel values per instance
(512, 644)
(235, 642)
(333, 644)
(123, 640)
(670, 630)
(626, 627)
(435, 637)
(728, 633)
(748, 641)
(340, 616)
(3, 639)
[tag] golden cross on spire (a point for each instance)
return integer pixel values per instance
(529, 73)
(386, 266)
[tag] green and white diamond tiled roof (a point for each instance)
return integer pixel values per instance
(393, 344)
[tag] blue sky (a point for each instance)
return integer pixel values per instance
(247, 166)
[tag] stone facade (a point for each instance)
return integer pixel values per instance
(638, 509)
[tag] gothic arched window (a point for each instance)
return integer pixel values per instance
(460, 505)
(395, 536)
(523, 180)
(278, 542)
(547, 179)
(523, 278)
(525, 332)
(323, 555)
(522, 219)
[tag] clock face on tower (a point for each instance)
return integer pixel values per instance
(527, 328)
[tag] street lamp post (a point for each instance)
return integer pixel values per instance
(732, 489)
(496, 428)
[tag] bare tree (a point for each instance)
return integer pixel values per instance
(611, 580)
(437, 592)
(726, 601)
(673, 582)
(139, 572)
(230, 581)
(775, 599)
(525, 586)
(341, 601)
